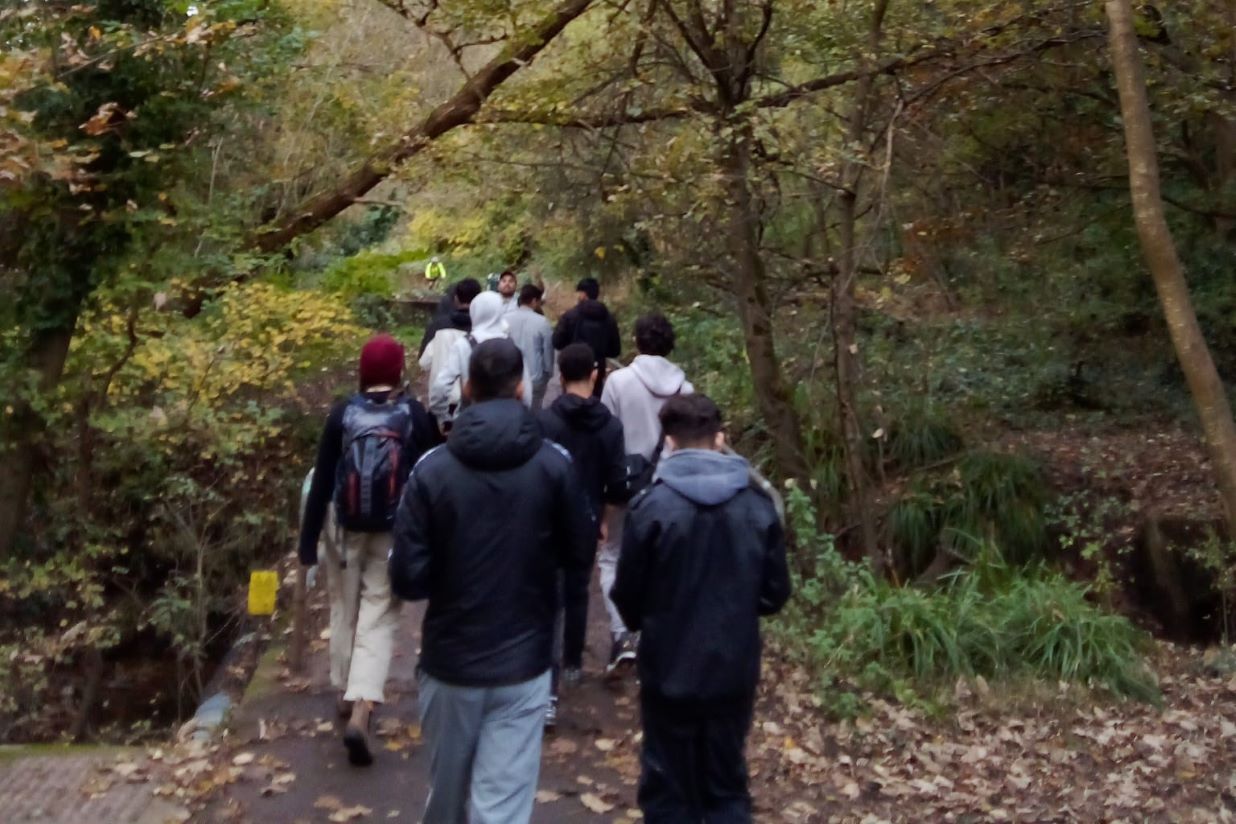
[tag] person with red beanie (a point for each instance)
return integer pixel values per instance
(369, 445)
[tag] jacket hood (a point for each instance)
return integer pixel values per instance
(703, 476)
(582, 413)
(659, 376)
(460, 319)
(487, 310)
(499, 434)
(592, 310)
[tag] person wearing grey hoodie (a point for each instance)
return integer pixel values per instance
(635, 395)
(703, 559)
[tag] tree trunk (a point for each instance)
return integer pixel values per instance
(845, 338)
(46, 356)
(1159, 249)
(750, 285)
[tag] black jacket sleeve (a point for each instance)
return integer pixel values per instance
(613, 346)
(615, 464)
(425, 434)
(411, 559)
(634, 565)
(576, 527)
(564, 332)
(775, 588)
(323, 486)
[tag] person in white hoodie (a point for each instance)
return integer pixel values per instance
(635, 395)
(487, 323)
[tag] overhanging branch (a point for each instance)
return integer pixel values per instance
(459, 110)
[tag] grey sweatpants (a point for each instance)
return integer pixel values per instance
(484, 750)
(607, 563)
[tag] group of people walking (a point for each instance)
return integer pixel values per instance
(493, 503)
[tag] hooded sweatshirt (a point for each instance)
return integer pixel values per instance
(636, 393)
(593, 436)
(485, 523)
(590, 322)
(487, 323)
(703, 557)
(446, 316)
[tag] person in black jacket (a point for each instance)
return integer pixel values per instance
(452, 311)
(356, 543)
(590, 322)
(703, 557)
(485, 524)
(590, 432)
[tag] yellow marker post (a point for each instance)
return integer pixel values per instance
(263, 591)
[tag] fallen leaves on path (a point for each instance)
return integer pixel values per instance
(345, 814)
(1063, 755)
(595, 803)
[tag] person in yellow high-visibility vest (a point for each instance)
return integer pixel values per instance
(435, 271)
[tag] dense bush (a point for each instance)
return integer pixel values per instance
(864, 634)
(176, 451)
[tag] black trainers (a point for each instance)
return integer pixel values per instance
(572, 677)
(551, 714)
(621, 657)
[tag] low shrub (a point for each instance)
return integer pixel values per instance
(863, 634)
(999, 497)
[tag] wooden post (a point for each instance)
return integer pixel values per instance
(296, 653)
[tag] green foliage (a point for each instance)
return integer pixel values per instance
(922, 436)
(1217, 556)
(370, 272)
(190, 449)
(710, 348)
(863, 634)
(999, 497)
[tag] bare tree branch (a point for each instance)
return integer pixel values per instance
(459, 110)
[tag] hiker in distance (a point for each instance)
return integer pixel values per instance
(531, 332)
(635, 395)
(486, 524)
(590, 322)
(703, 558)
(487, 324)
(593, 436)
(369, 444)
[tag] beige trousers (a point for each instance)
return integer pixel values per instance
(363, 613)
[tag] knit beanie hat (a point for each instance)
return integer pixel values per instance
(381, 362)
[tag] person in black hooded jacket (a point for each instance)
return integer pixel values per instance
(580, 422)
(703, 557)
(452, 311)
(484, 526)
(590, 322)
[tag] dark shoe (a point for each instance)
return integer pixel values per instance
(551, 714)
(621, 657)
(356, 736)
(572, 677)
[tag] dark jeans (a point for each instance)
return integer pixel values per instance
(693, 766)
(570, 621)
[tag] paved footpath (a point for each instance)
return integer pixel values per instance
(285, 736)
(76, 785)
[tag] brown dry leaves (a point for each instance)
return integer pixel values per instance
(996, 759)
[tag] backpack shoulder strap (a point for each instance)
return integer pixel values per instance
(656, 453)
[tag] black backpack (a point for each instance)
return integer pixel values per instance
(371, 474)
(640, 470)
